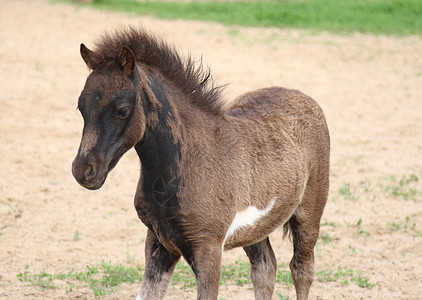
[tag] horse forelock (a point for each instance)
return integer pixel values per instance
(192, 78)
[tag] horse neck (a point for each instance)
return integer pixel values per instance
(160, 149)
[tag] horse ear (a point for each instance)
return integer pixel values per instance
(88, 56)
(127, 61)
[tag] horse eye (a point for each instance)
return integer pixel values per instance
(123, 112)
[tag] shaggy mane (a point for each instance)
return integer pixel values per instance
(190, 77)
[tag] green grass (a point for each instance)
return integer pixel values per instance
(397, 226)
(102, 279)
(360, 230)
(183, 275)
(344, 276)
(14, 208)
(324, 238)
(396, 17)
(348, 192)
(281, 297)
(326, 223)
(76, 235)
(405, 187)
(105, 278)
(407, 225)
(236, 273)
(284, 276)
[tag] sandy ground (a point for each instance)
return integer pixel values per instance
(369, 87)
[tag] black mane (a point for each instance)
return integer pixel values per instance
(191, 78)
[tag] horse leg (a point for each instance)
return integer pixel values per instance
(304, 226)
(159, 266)
(263, 268)
(206, 264)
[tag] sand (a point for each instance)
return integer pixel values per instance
(370, 88)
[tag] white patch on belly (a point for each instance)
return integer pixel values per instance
(246, 217)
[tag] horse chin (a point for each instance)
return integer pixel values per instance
(95, 185)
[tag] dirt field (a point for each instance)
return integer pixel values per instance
(369, 87)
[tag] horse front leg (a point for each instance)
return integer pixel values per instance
(159, 266)
(206, 264)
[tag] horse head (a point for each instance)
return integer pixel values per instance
(114, 118)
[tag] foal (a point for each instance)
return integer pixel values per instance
(213, 177)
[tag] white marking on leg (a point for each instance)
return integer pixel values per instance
(154, 289)
(246, 217)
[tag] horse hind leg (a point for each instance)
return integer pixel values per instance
(263, 268)
(304, 227)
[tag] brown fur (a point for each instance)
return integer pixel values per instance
(209, 163)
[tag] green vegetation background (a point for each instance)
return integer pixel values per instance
(392, 17)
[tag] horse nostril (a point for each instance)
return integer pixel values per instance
(89, 172)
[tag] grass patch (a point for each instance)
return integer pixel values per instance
(105, 278)
(236, 273)
(404, 188)
(324, 238)
(76, 235)
(183, 275)
(406, 225)
(348, 192)
(284, 276)
(344, 276)
(352, 249)
(17, 212)
(281, 297)
(326, 223)
(397, 226)
(397, 17)
(102, 279)
(360, 230)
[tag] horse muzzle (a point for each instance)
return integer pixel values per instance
(89, 173)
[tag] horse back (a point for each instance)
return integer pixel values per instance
(295, 116)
